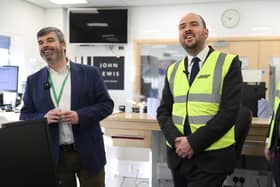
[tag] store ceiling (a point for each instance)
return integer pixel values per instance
(125, 3)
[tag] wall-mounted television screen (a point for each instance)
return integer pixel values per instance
(97, 26)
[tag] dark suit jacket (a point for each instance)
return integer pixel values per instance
(212, 161)
(89, 98)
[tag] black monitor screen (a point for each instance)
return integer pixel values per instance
(98, 26)
(8, 78)
(26, 158)
(251, 93)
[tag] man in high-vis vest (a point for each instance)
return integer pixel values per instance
(272, 148)
(198, 109)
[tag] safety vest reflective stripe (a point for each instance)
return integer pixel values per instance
(198, 97)
(198, 120)
(177, 119)
(211, 98)
(180, 99)
(218, 73)
(172, 77)
(195, 120)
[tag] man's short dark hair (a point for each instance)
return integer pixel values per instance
(47, 30)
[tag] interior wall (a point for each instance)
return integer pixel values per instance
(143, 23)
(156, 22)
(162, 21)
(20, 21)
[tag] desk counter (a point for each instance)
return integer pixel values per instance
(130, 129)
(255, 141)
(6, 117)
(134, 130)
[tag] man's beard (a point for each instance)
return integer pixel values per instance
(190, 47)
(50, 60)
(193, 47)
(53, 59)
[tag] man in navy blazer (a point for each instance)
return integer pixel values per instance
(73, 98)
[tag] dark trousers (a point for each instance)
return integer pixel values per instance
(187, 175)
(69, 166)
(276, 168)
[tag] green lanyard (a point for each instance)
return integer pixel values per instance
(57, 99)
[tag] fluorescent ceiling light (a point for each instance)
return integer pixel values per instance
(84, 10)
(97, 24)
(61, 2)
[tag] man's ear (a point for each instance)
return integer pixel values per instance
(206, 32)
(63, 45)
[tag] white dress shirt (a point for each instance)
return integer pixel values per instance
(65, 130)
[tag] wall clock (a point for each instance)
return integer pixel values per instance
(230, 18)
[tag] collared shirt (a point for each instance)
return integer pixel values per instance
(65, 130)
(202, 56)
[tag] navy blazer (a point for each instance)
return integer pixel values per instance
(89, 98)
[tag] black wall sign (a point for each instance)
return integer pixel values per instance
(112, 70)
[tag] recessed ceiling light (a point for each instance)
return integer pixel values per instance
(61, 2)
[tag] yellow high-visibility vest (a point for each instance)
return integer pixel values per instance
(201, 101)
(276, 104)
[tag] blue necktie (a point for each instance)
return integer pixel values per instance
(195, 69)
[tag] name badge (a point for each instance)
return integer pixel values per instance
(204, 76)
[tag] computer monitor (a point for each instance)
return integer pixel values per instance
(26, 157)
(251, 93)
(8, 78)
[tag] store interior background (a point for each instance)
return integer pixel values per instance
(21, 20)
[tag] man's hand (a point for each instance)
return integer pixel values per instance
(268, 154)
(56, 115)
(70, 117)
(53, 116)
(183, 148)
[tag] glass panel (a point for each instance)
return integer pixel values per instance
(245, 62)
(4, 56)
(4, 50)
(154, 61)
